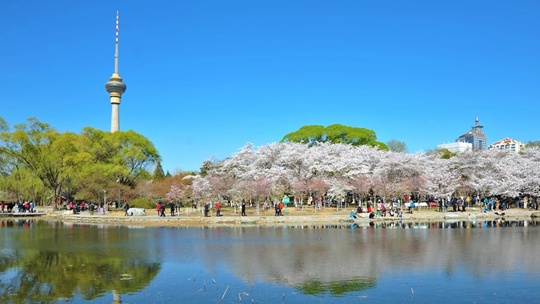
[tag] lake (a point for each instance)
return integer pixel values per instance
(492, 261)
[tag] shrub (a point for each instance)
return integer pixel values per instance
(141, 202)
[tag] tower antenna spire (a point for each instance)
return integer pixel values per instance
(116, 44)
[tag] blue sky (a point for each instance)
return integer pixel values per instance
(206, 77)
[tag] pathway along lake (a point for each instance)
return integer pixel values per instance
(443, 262)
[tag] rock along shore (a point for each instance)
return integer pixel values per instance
(294, 217)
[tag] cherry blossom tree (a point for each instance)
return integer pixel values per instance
(336, 170)
(175, 193)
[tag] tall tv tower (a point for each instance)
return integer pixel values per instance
(115, 87)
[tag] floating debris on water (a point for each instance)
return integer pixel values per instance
(224, 293)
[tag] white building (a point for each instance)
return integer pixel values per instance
(507, 144)
(456, 147)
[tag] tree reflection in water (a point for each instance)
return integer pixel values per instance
(315, 287)
(48, 270)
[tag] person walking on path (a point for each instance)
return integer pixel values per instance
(126, 208)
(161, 209)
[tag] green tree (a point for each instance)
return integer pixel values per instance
(137, 154)
(22, 184)
(113, 162)
(42, 150)
(397, 146)
(87, 164)
(531, 144)
(158, 172)
(336, 133)
(445, 153)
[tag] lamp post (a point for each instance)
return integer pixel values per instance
(119, 192)
(105, 205)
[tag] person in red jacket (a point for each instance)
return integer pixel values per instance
(218, 209)
(160, 209)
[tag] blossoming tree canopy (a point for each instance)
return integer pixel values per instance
(336, 133)
(336, 169)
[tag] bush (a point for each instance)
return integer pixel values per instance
(142, 202)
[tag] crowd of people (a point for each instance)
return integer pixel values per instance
(451, 203)
(378, 207)
(161, 208)
(375, 207)
(487, 204)
(17, 207)
(381, 209)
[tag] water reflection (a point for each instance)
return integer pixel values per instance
(57, 261)
(459, 224)
(48, 261)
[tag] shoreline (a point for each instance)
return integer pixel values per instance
(296, 217)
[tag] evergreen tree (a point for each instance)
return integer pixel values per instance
(158, 172)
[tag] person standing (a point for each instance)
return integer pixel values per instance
(243, 207)
(206, 210)
(280, 208)
(161, 209)
(172, 206)
(218, 209)
(383, 210)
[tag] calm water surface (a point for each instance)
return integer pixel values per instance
(447, 262)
